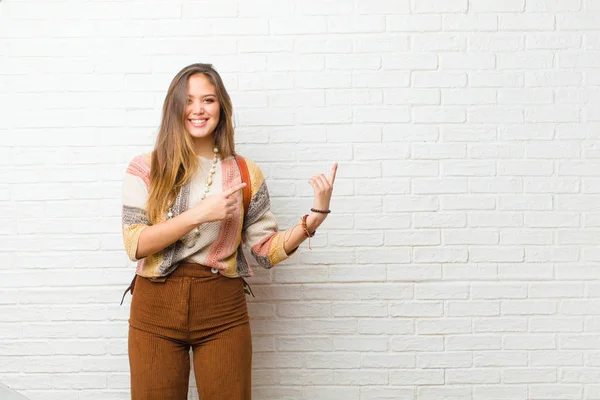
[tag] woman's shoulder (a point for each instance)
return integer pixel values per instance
(140, 166)
(253, 168)
(257, 179)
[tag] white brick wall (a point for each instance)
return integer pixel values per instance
(461, 260)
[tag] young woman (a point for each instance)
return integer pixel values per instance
(185, 224)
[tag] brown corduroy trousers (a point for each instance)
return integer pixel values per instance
(193, 308)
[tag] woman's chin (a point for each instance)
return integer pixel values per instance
(199, 133)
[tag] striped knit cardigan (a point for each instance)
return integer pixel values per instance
(219, 244)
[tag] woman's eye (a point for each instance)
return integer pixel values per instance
(210, 100)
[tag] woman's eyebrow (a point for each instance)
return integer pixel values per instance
(205, 95)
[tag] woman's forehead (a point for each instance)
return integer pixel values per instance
(199, 85)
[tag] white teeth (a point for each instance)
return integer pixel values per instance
(198, 121)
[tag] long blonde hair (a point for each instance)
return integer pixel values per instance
(174, 161)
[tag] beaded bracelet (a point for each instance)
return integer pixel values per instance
(320, 211)
(304, 228)
(306, 232)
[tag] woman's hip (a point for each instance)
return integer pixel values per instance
(191, 301)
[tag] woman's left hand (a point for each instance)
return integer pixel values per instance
(323, 187)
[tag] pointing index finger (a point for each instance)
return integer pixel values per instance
(234, 189)
(332, 173)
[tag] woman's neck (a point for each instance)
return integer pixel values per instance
(204, 146)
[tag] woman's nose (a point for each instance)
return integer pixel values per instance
(197, 108)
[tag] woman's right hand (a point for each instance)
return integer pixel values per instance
(216, 207)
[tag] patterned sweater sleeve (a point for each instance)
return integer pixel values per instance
(135, 193)
(261, 230)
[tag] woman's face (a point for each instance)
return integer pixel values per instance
(202, 108)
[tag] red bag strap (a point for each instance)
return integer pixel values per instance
(247, 190)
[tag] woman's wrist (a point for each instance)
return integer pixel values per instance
(193, 217)
(315, 220)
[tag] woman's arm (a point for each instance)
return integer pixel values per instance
(155, 238)
(296, 235)
(323, 188)
(268, 245)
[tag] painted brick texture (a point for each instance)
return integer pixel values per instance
(461, 257)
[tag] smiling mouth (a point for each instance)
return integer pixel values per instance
(198, 122)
